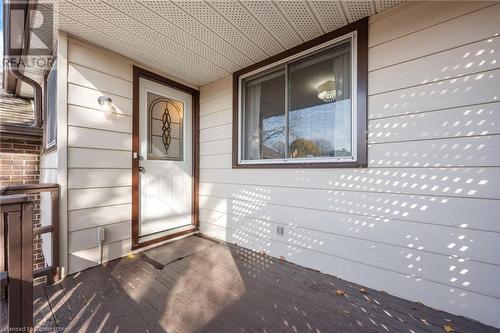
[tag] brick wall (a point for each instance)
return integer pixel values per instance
(19, 160)
(20, 164)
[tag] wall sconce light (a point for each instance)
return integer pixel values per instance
(327, 91)
(106, 103)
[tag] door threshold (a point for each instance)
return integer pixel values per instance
(163, 236)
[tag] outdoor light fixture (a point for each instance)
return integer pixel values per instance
(106, 103)
(327, 91)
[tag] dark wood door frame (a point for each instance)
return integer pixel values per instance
(142, 73)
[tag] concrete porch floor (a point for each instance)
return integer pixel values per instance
(198, 285)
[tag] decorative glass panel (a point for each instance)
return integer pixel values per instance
(165, 128)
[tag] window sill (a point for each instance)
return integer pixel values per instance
(303, 165)
(46, 150)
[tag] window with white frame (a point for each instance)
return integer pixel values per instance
(50, 130)
(303, 109)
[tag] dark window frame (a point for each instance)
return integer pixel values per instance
(361, 29)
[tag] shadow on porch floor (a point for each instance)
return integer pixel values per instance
(197, 285)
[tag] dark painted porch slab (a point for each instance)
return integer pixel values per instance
(197, 285)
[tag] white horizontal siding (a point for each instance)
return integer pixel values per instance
(102, 81)
(87, 238)
(98, 197)
(99, 155)
(458, 212)
(476, 120)
(465, 60)
(80, 260)
(402, 22)
(216, 133)
(94, 158)
(85, 178)
(87, 97)
(424, 214)
(217, 89)
(448, 182)
(99, 139)
(217, 118)
(218, 161)
(216, 147)
(99, 216)
(471, 89)
(393, 232)
(436, 38)
(473, 151)
(91, 118)
(453, 152)
(217, 104)
(105, 62)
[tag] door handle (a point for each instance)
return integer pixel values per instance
(141, 169)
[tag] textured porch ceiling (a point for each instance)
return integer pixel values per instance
(202, 41)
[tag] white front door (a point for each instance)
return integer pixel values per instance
(165, 159)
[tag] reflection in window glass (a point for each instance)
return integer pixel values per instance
(165, 128)
(319, 118)
(264, 116)
(301, 109)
